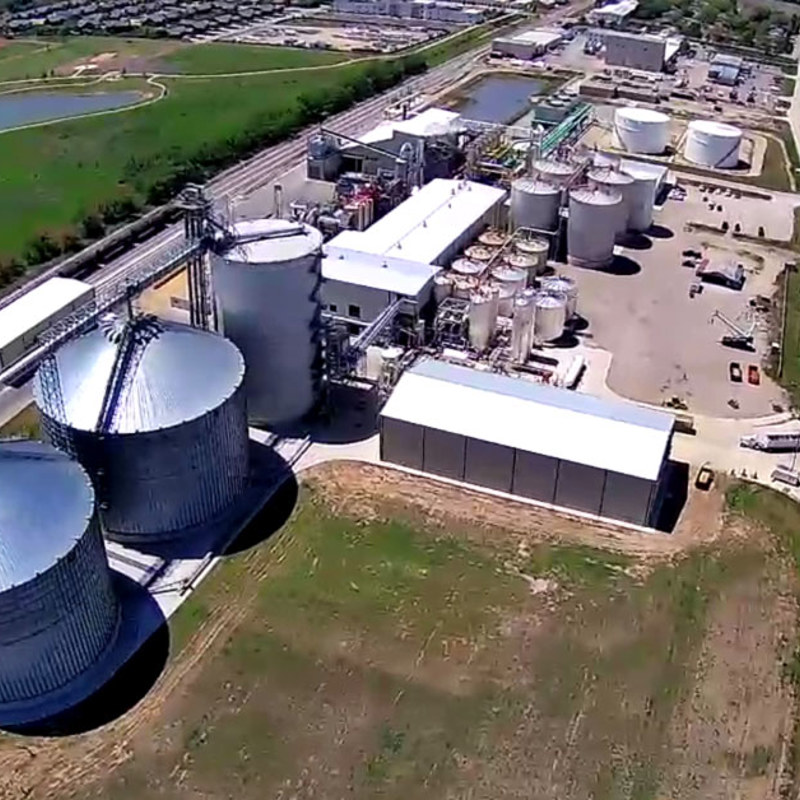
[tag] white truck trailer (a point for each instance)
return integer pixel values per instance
(772, 441)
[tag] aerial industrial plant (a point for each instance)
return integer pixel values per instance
(546, 307)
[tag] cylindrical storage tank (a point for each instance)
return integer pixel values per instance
(557, 173)
(538, 248)
(463, 287)
(58, 610)
(641, 197)
(442, 287)
(267, 287)
(479, 253)
(592, 227)
(467, 267)
(155, 412)
(521, 330)
(549, 317)
(562, 285)
(712, 144)
(641, 130)
(611, 180)
(482, 319)
(492, 238)
(527, 262)
(534, 204)
(509, 281)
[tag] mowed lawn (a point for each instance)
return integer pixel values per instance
(386, 656)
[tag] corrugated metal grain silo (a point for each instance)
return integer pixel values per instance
(155, 411)
(267, 281)
(58, 609)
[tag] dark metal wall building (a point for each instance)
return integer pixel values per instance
(518, 415)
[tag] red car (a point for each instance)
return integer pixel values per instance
(753, 374)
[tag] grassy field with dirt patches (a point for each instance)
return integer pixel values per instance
(381, 648)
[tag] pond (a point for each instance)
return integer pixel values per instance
(499, 98)
(24, 109)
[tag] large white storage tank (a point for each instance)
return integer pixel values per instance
(534, 204)
(641, 196)
(593, 223)
(58, 609)
(155, 412)
(549, 318)
(612, 180)
(712, 144)
(267, 284)
(642, 130)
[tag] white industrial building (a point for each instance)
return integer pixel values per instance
(430, 227)
(528, 44)
(607, 458)
(640, 50)
(359, 286)
(24, 320)
(398, 256)
(612, 15)
(425, 10)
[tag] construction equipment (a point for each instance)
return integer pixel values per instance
(739, 337)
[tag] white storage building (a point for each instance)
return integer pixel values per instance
(23, 321)
(359, 286)
(573, 450)
(528, 44)
(431, 227)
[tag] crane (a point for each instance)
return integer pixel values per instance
(740, 336)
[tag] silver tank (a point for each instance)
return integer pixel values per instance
(467, 267)
(509, 281)
(593, 222)
(522, 330)
(442, 287)
(267, 288)
(611, 180)
(552, 171)
(171, 452)
(562, 285)
(538, 248)
(642, 197)
(482, 318)
(534, 204)
(549, 316)
(58, 609)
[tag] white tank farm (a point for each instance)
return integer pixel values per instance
(612, 180)
(267, 288)
(549, 317)
(641, 196)
(642, 130)
(522, 330)
(534, 204)
(566, 287)
(557, 173)
(483, 307)
(712, 144)
(58, 609)
(592, 228)
(155, 412)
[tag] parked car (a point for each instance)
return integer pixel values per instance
(688, 263)
(753, 374)
(735, 371)
(705, 478)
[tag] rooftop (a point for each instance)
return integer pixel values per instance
(423, 227)
(621, 9)
(395, 275)
(515, 412)
(431, 122)
(537, 36)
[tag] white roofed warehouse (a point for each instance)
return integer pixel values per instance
(509, 434)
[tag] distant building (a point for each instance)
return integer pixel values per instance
(725, 69)
(528, 44)
(640, 51)
(432, 10)
(613, 14)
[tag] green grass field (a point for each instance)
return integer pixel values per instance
(387, 657)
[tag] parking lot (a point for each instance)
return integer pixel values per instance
(669, 344)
